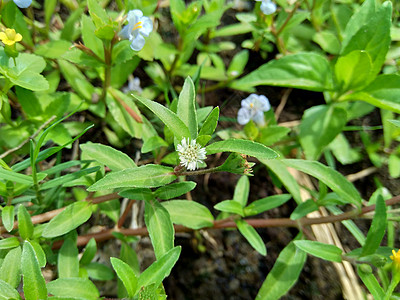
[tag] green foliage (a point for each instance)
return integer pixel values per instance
(73, 74)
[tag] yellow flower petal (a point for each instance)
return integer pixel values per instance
(10, 37)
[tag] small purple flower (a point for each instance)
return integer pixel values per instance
(138, 27)
(23, 3)
(267, 7)
(253, 108)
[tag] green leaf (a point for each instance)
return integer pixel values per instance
(106, 155)
(89, 253)
(159, 225)
(189, 213)
(74, 215)
(238, 63)
(78, 287)
(251, 236)
(369, 30)
(383, 92)
(284, 273)
(40, 255)
(230, 206)
(353, 71)
(271, 134)
(34, 284)
(303, 209)
(76, 79)
(7, 217)
(66, 179)
(144, 176)
(159, 270)
(340, 147)
(308, 71)
(174, 190)
(395, 122)
(25, 225)
(333, 179)
(319, 126)
(210, 123)
(99, 271)
(7, 292)
(153, 143)
(126, 274)
(16, 177)
(116, 106)
(242, 190)
(170, 119)
(10, 270)
(377, 229)
(68, 261)
(321, 250)
(138, 194)
(187, 107)
(371, 283)
(262, 205)
(244, 147)
(8, 243)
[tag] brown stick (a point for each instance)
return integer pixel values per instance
(229, 223)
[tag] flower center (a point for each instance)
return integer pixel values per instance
(251, 105)
(138, 25)
(191, 153)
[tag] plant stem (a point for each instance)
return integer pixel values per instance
(229, 223)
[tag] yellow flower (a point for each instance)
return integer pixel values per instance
(396, 258)
(9, 37)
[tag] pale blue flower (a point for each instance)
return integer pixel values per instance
(138, 27)
(23, 3)
(267, 7)
(253, 108)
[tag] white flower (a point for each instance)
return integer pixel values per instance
(191, 154)
(253, 108)
(138, 27)
(267, 7)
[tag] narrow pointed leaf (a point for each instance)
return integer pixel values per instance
(160, 227)
(249, 148)
(187, 107)
(7, 217)
(251, 236)
(10, 270)
(25, 225)
(74, 215)
(126, 274)
(7, 291)
(333, 179)
(34, 285)
(321, 250)
(76, 287)
(144, 176)
(170, 119)
(189, 213)
(284, 273)
(377, 229)
(160, 269)
(242, 190)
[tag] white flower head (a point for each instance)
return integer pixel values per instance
(253, 108)
(267, 7)
(191, 154)
(138, 27)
